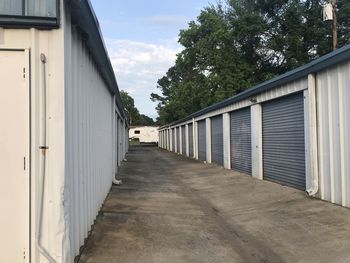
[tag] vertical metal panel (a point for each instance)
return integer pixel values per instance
(43, 8)
(173, 139)
(226, 124)
(183, 135)
(333, 107)
(284, 140)
(202, 144)
(217, 140)
(241, 149)
(11, 7)
(40, 8)
(178, 140)
(89, 134)
(190, 139)
(256, 130)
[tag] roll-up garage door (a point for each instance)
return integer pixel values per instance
(173, 139)
(283, 141)
(178, 140)
(202, 144)
(190, 139)
(183, 136)
(241, 149)
(217, 144)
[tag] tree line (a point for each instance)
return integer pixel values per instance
(235, 44)
(134, 116)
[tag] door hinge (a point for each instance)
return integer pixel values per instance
(24, 163)
(24, 254)
(24, 73)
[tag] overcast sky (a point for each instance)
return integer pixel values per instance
(141, 38)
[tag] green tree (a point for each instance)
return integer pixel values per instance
(134, 116)
(236, 44)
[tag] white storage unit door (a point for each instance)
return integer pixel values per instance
(14, 157)
(178, 139)
(183, 137)
(283, 141)
(173, 140)
(202, 144)
(241, 149)
(190, 139)
(217, 145)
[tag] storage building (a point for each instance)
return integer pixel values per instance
(63, 130)
(293, 130)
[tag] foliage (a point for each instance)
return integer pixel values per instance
(134, 116)
(236, 44)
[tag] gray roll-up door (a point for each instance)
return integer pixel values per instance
(173, 139)
(283, 141)
(178, 140)
(202, 143)
(183, 136)
(217, 145)
(241, 149)
(190, 139)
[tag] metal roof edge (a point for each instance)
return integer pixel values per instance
(84, 16)
(328, 60)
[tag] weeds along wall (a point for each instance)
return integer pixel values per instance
(293, 130)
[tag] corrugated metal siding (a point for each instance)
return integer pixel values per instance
(173, 139)
(178, 140)
(90, 160)
(241, 149)
(183, 136)
(190, 139)
(202, 145)
(333, 108)
(284, 141)
(217, 140)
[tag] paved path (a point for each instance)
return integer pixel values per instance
(173, 209)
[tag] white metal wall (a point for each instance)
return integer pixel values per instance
(92, 132)
(333, 108)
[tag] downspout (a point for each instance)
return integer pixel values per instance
(313, 135)
(43, 149)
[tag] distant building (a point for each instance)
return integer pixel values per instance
(144, 134)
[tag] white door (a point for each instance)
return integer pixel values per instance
(14, 157)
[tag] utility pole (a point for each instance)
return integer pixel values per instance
(334, 24)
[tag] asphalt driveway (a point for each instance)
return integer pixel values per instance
(174, 209)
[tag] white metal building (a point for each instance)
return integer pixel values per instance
(145, 134)
(293, 130)
(63, 131)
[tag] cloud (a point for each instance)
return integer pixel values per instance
(138, 66)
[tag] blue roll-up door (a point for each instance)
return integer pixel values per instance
(183, 136)
(202, 144)
(284, 141)
(217, 145)
(190, 139)
(241, 149)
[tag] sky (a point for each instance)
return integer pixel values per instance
(141, 39)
